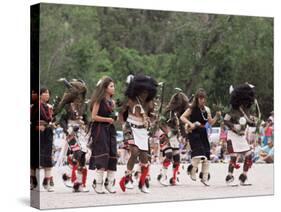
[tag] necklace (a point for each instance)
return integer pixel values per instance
(202, 114)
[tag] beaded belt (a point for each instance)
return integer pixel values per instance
(136, 126)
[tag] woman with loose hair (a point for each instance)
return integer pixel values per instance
(103, 136)
(195, 118)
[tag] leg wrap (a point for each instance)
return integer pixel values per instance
(144, 173)
(81, 178)
(73, 167)
(248, 162)
(110, 176)
(195, 162)
(98, 182)
(73, 173)
(99, 176)
(110, 182)
(84, 176)
(193, 168)
(233, 164)
(124, 180)
(176, 165)
(205, 170)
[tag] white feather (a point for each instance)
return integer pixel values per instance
(61, 79)
(231, 89)
(99, 82)
(129, 78)
(251, 86)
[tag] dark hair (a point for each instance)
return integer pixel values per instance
(200, 93)
(44, 90)
(139, 84)
(242, 95)
(99, 93)
(269, 120)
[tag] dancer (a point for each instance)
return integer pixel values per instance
(242, 98)
(140, 93)
(73, 123)
(172, 132)
(195, 118)
(103, 136)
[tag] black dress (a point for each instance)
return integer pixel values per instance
(46, 138)
(103, 140)
(34, 137)
(198, 138)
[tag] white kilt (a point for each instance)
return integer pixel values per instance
(239, 143)
(140, 138)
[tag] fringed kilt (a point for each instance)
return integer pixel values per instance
(237, 143)
(137, 136)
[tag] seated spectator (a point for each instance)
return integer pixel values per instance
(257, 148)
(267, 153)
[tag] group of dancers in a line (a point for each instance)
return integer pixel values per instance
(141, 116)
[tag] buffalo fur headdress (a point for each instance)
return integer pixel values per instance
(242, 95)
(75, 91)
(140, 83)
(179, 102)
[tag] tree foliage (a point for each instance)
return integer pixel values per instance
(186, 50)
